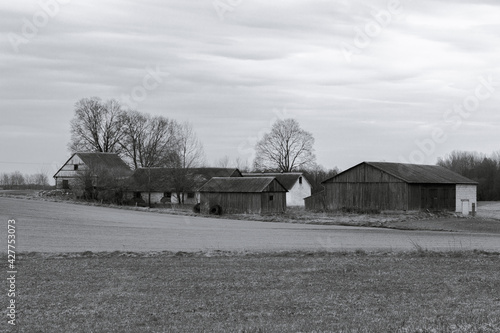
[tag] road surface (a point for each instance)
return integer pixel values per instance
(44, 226)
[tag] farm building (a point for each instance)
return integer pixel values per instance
(168, 185)
(297, 185)
(95, 166)
(396, 186)
(243, 195)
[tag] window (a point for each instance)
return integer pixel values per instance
(137, 195)
(75, 167)
(190, 195)
(167, 194)
(300, 180)
(271, 197)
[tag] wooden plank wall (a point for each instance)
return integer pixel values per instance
(365, 174)
(277, 205)
(382, 196)
(237, 203)
(316, 201)
(437, 196)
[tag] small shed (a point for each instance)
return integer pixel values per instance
(243, 195)
(396, 186)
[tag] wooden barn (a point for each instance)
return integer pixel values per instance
(296, 183)
(243, 195)
(396, 186)
(96, 165)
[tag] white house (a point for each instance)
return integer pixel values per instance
(297, 185)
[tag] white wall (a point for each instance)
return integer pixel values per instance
(295, 197)
(466, 192)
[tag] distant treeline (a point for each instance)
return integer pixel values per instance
(19, 181)
(479, 167)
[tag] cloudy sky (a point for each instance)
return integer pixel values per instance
(371, 80)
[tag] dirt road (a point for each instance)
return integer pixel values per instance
(62, 227)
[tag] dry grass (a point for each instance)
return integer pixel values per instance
(283, 292)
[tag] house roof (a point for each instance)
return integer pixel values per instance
(164, 179)
(242, 185)
(110, 161)
(417, 173)
(288, 179)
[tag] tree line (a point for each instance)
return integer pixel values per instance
(18, 180)
(479, 167)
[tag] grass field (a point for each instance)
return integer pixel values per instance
(283, 292)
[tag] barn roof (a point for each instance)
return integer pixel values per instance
(110, 161)
(417, 173)
(164, 179)
(288, 179)
(242, 185)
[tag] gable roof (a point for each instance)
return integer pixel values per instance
(416, 173)
(164, 179)
(243, 185)
(287, 179)
(110, 161)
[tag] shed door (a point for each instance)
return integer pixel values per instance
(465, 207)
(65, 184)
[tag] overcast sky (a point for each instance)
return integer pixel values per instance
(371, 80)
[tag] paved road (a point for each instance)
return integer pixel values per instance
(62, 227)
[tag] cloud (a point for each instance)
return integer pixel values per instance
(227, 76)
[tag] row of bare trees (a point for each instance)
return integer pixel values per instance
(479, 167)
(16, 180)
(141, 139)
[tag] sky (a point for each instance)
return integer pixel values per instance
(396, 81)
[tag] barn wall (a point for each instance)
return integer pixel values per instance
(316, 201)
(277, 205)
(232, 203)
(465, 192)
(370, 195)
(437, 196)
(364, 174)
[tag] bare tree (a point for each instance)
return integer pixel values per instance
(223, 162)
(148, 141)
(41, 179)
(188, 154)
(17, 178)
(96, 126)
(286, 148)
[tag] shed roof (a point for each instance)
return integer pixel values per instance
(287, 179)
(242, 185)
(417, 173)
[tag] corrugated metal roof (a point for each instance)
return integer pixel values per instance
(108, 160)
(417, 173)
(287, 179)
(240, 185)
